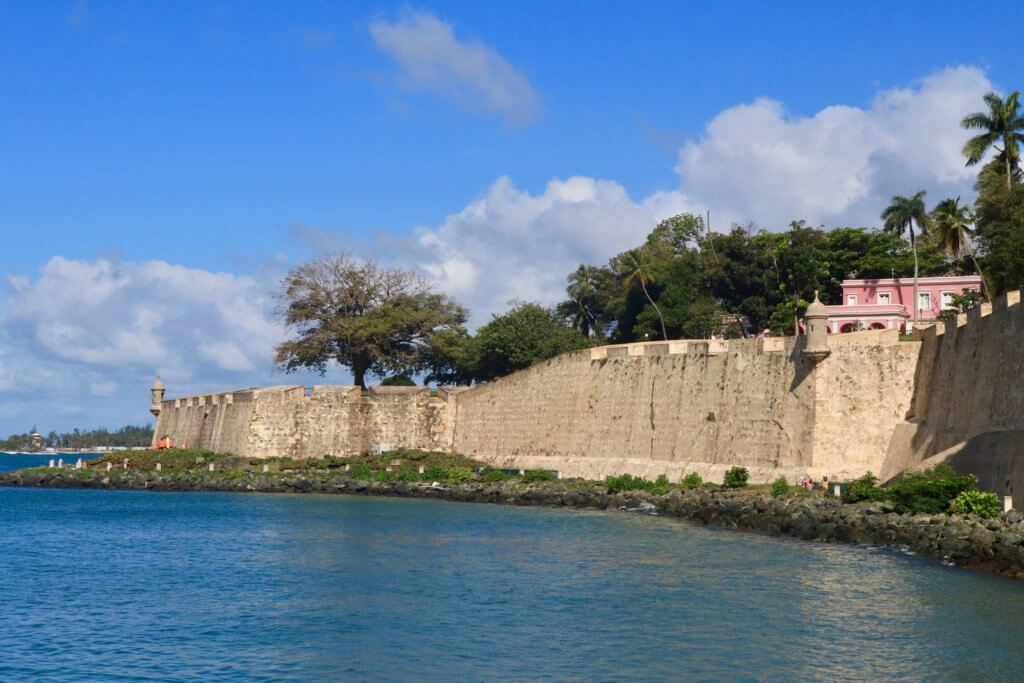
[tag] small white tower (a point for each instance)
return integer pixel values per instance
(816, 322)
(156, 396)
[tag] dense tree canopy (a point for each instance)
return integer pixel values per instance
(697, 283)
(361, 315)
(129, 436)
(525, 335)
(1000, 234)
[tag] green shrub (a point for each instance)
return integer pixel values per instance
(495, 476)
(862, 489)
(980, 503)
(435, 474)
(660, 486)
(538, 475)
(407, 473)
(625, 482)
(928, 491)
(459, 475)
(398, 381)
(384, 476)
(779, 487)
(361, 471)
(628, 482)
(692, 481)
(735, 478)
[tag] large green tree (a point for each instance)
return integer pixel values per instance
(583, 292)
(1003, 122)
(951, 226)
(525, 335)
(900, 216)
(999, 227)
(639, 273)
(360, 315)
(447, 357)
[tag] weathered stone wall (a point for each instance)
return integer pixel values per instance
(326, 420)
(680, 407)
(863, 390)
(653, 408)
(214, 421)
(968, 398)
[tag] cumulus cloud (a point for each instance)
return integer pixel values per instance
(103, 328)
(511, 244)
(431, 58)
(755, 162)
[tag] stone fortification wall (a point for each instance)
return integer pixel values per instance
(208, 420)
(649, 409)
(696, 406)
(863, 391)
(968, 398)
(299, 422)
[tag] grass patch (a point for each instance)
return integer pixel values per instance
(169, 459)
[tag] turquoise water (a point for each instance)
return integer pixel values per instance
(100, 585)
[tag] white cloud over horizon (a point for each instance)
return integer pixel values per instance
(80, 340)
(431, 58)
(98, 331)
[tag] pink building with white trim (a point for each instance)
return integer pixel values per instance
(886, 303)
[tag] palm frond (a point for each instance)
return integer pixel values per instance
(977, 120)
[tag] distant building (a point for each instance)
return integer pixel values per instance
(885, 304)
(35, 440)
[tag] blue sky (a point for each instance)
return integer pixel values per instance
(164, 163)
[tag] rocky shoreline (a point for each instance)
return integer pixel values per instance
(993, 545)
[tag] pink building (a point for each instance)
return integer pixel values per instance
(886, 303)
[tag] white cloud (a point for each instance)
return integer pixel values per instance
(431, 58)
(753, 164)
(83, 339)
(511, 244)
(839, 166)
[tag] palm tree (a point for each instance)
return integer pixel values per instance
(639, 273)
(1003, 120)
(951, 224)
(899, 217)
(582, 287)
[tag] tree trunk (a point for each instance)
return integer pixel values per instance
(584, 319)
(970, 250)
(664, 334)
(359, 375)
(1009, 171)
(913, 246)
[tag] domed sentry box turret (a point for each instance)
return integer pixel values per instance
(156, 397)
(816, 323)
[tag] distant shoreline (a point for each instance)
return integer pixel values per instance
(993, 545)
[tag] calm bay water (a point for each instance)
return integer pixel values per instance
(100, 585)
